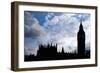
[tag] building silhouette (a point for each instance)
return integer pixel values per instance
(49, 51)
(81, 41)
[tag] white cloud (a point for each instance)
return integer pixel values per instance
(64, 29)
(60, 29)
(33, 32)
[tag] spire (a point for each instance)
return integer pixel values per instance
(81, 26)
(62, 50)
(81, 41)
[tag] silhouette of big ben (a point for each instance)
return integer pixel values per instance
(81, 41)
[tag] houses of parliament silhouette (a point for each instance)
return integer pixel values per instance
(49, 52)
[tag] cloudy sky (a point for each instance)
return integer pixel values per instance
(54, 27)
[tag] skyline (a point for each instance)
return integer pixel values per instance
(49, 27)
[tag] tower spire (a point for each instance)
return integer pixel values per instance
(81, 26)
(81, 41)
(62, 50)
